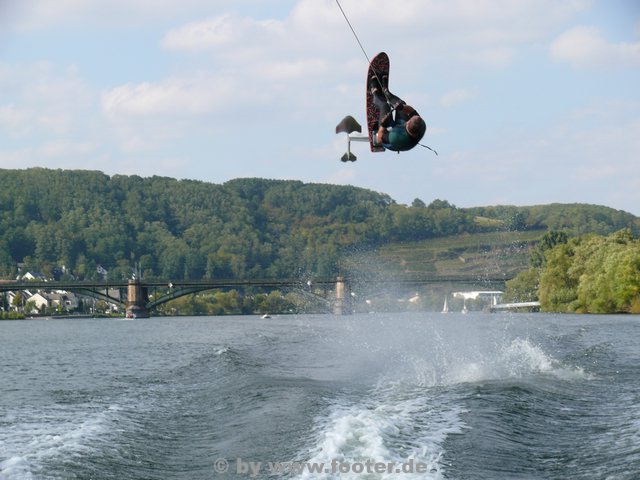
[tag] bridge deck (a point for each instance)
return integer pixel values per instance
(230, 283)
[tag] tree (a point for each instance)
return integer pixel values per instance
(557, 290)
(524, 287)
(547, 242)
(30, 307)
(18, 301)
(609, 273)
(593, 274)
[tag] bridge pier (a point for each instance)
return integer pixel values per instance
(137, 299)
(342, 304)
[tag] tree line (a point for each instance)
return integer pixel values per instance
(584, 274)
(81, 224)
(86, 225)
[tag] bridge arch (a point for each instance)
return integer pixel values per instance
(334, 294)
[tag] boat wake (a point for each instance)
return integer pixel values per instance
(419, 401)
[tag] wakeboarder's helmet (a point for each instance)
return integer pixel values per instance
(416, 127)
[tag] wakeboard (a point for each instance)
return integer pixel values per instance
(379, 67)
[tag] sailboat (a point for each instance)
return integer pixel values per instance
(445, 308)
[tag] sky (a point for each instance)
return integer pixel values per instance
(527, 102)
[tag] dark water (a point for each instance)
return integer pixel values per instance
(454, 396)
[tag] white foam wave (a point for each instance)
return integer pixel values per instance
(522, 358)
(27, 445)
(517, 358)
(399, 423)
(411, 411)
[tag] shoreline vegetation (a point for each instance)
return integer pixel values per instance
(21, 316)
(85, 225)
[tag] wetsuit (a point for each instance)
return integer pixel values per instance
(395, 138)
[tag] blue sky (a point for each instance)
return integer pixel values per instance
(527, 101)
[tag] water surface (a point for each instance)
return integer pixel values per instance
(478, 396)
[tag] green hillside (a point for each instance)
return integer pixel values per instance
(80, 224)
(482, 254)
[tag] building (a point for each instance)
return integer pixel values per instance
(56, 300)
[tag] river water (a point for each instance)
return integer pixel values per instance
(412, 395)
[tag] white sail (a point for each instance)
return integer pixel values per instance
(445, 308)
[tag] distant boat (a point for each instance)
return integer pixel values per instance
(445, 308)
(266, 315)
(464, 307)
(134, 311)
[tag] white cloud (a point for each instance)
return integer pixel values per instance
(483, 32)
(213, 33)
(296, 69)
(586, 47)
(14, 121)
(180, 96)
(56, 153)
(457, 97)
(42, 98)
(498, 57)
(151, 117)
(65, 148)
(221, 32)
(41, 14)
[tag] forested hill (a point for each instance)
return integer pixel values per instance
(71, 222)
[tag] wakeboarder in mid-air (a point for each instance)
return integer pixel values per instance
(391, 123)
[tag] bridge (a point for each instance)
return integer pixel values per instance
(138, 302)
(529, 306)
